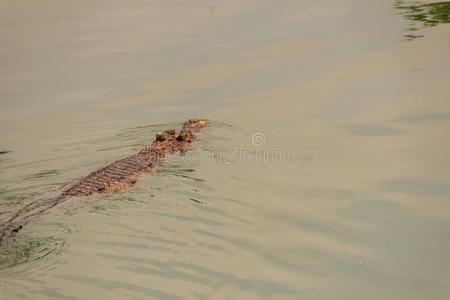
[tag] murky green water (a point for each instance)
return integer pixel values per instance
(364, 213)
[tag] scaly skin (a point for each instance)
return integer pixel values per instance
(119, 175)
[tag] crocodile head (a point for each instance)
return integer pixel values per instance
(195, 124)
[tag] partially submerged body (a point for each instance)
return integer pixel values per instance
(119, 175)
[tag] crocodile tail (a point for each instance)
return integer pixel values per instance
(10, 228)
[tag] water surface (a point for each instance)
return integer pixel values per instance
(364, 213)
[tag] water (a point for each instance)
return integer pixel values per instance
(363, 213)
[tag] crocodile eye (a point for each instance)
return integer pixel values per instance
(160, 137)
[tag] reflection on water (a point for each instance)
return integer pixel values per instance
(423, 15)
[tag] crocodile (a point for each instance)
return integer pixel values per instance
(117, 176)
